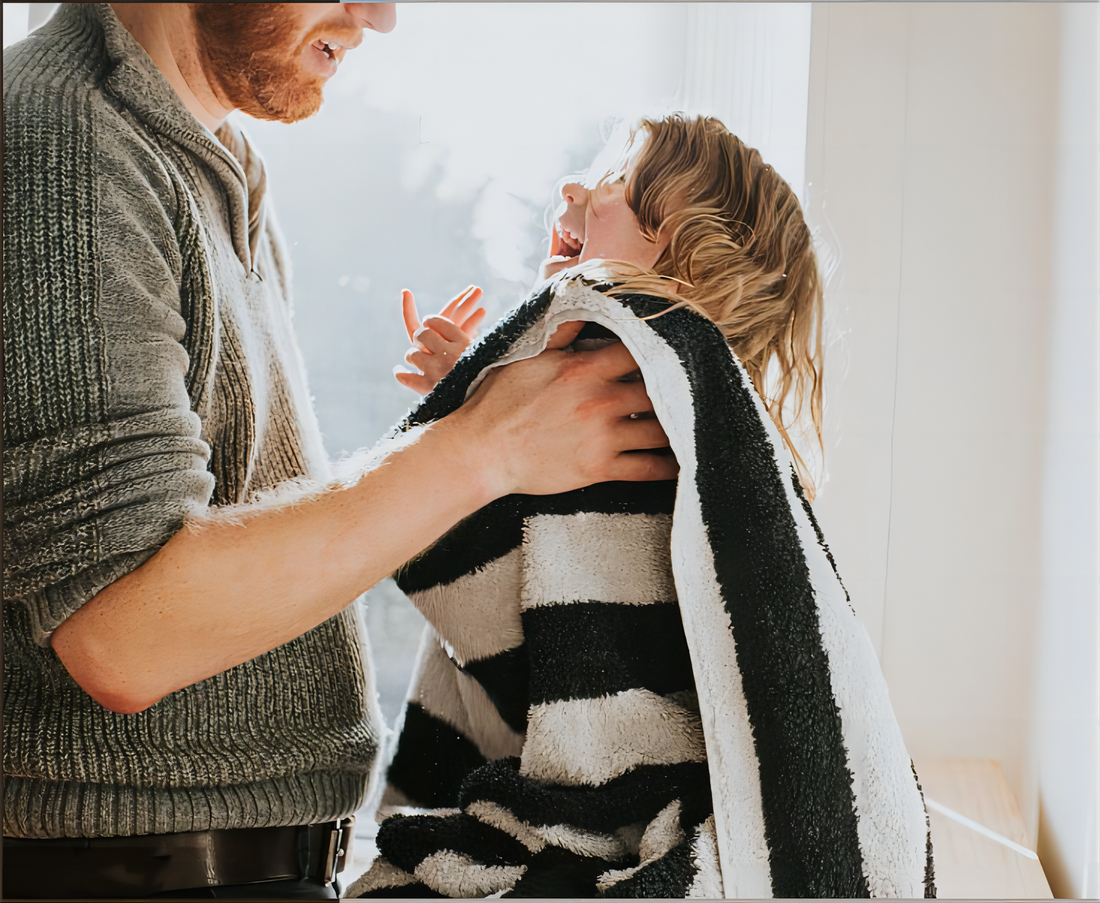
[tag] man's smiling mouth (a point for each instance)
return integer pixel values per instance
(328, 47)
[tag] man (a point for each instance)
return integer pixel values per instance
(188, 706)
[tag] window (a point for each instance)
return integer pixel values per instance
(431, 165)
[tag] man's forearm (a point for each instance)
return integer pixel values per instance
(222, 594)
(224, 591)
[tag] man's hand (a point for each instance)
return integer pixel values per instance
(439, 340)
(560, 421)
(244, 581)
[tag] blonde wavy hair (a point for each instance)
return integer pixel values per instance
(739, 252)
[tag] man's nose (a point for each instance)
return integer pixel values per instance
(380, 17)
(574, 193)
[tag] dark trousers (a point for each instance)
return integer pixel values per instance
(294, 889)
(302, 889)
(288, 863)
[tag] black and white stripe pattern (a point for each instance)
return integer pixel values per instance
(647, 689)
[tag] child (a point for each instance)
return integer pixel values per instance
(655, 689)
(690, 214)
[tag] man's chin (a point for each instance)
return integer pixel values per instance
(299, 111)
(289, 104)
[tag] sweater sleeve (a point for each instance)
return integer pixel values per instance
(102, 451)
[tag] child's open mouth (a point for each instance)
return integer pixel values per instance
(568, 244)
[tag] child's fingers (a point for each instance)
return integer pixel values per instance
(408, 313)
(450, 306)
(420, 384)
(467, 307)
(433, 366)
(423, 361)
(458, 300)
(473, 322)
(439, 334)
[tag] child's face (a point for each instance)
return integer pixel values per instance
(597, 222)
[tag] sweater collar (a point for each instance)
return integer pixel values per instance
(137, 81)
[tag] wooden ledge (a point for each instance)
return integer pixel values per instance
(969, 862)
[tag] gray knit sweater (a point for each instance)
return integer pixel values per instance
(150, 370)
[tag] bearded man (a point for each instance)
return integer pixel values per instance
(187, 703)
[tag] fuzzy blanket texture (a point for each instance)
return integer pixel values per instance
(646, 689)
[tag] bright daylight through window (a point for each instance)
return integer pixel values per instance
(441, 178)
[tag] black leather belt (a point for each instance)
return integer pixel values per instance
(155, 863)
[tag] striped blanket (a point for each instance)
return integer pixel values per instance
(646, 690)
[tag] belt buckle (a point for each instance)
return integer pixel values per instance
(339, 848)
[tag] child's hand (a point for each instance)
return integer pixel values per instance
(439, 340)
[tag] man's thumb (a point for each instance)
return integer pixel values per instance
(565, 334)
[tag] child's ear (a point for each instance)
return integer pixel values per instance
(565, 334)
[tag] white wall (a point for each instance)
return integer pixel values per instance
(1066, 751)
(15, 22)
(19, 18)
(748, 65)
(936, 159)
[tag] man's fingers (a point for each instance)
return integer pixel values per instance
(553, 423)
(623, 399)
(611, 362)
(408, 312)
(565, 334)
(636, 466)
(641, 434)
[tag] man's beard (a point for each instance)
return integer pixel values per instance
(249, 53)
